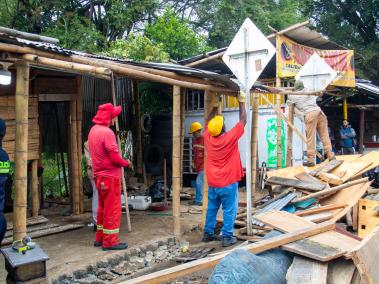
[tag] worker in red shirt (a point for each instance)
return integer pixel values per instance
(198, 148)
(223, 170)
(107, 165)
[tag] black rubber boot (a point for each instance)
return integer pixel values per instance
(120, 246)
(228, 241)
(210, 238)
(97, 244)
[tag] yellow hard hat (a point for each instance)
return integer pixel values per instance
(195, 126)
(215, 125)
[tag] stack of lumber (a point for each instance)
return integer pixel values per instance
(8, 113)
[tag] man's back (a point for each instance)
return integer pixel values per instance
(223, 162)
(102, 141)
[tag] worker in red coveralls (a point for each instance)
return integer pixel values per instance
(223, 170)
(198, 148)
(107, 165)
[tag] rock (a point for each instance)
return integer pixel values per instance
(149, 258)
(162, 243)
(142, 254)
(138, 261)
(102, 264)
(80, 274)
(89, 281)
(125, 268)
(134, 252)
(106, 275)
(171, 240)
(164, 247)
(115, 260)
(152, 247)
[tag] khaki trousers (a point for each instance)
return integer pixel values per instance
(317, 121)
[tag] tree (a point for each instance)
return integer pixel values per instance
(137, 47)
(353, 24)
(175, 36)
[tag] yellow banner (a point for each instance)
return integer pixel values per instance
(291, 56)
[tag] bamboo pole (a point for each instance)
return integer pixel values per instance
(79, 118)
(278, 111)
(254, 145)
(278, 128)
(69, 66)
(208, 98)
(137, 109)
(115, 68)
(21, 151)
(291, 110)
(74, 173)
(176, 135)
(35, 192)
(206, 59)
(123, 182)
(182, 133)
(345, 109)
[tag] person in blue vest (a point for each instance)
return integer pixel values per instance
(347, 138)
(4, 173)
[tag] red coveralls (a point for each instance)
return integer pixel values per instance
(107, 166)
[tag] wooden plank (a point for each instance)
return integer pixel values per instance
(312, 186)
(314, 250)
(327, 192)
(368, 217)
(209, 262)
(349, 196)
(340, 271)
(365, 257)
(287, 222)
(307, 271)
(319, 209)
(372, 157)
(331, 178)
(319, 217)
(30, 222)
(307, 177)
(55, 97)
(289, 172)
(352, 168)
(326, 168)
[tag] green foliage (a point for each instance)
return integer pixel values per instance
(175, 36)
(353, 24)
(53, 183)
(75, 32)
(137, 47)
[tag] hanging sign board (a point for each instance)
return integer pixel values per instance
(291, 56)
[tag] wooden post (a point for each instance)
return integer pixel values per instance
(207, 109)
(344, 105)
(79, 118)
(123, 183)
(361, 130)
(176, 146)
(291, 111)
(254, 145)
(182, 131)
(74, 173)
(21, 151)
(35, 191)
(137, 110)
(278, 129)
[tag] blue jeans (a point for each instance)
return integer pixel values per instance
(199, 186)
(228, 198)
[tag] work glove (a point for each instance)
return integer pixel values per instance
(217, 99)
(242, 97)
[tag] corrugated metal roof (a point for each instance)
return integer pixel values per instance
(367, 86)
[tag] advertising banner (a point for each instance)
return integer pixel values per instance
(291, 56)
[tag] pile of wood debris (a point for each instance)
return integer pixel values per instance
(329, 193)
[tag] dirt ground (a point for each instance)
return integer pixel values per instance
(73, 250)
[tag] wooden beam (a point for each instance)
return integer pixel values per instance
(29, 36)
(307, 271)
(79, 120)
(123, 182)
(209, 262)
(276, 180)
(206, 59)
(330, 190)
(55, 97)
(278, 127)
(320, 209)
(21, 152)
(254, 146)
(68, 66)
(34, 187)
(176, 146)
(74, 169)
(291, 112)
(120, 70)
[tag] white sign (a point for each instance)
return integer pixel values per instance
(248, 54)
(316, 74)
